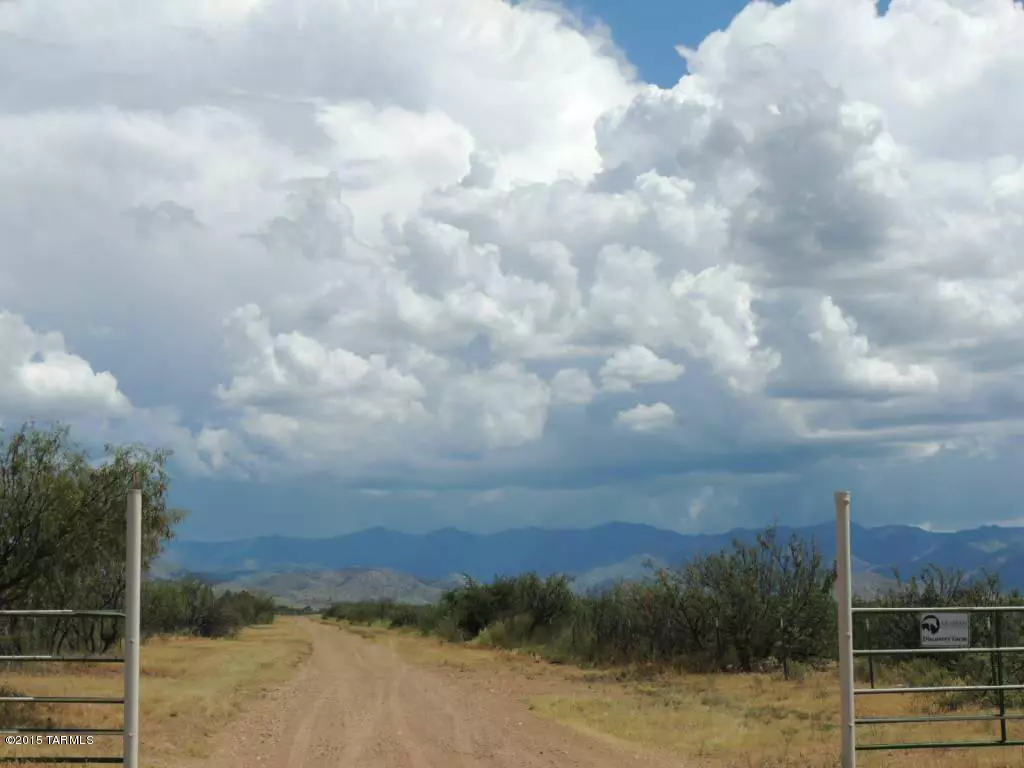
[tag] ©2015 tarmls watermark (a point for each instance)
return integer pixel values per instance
(49, 740)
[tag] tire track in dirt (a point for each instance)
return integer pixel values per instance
(300, 744)
(424, 691)
(463, 744)
(413, 747)
(372, 719)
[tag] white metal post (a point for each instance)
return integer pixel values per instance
(844, 590)
(132, 603)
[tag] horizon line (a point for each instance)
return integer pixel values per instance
(925, 527)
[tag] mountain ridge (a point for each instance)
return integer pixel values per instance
(578, 551)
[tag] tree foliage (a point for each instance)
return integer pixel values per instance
(62, 518)
(62, 544)
(741, 608)
(190, 607)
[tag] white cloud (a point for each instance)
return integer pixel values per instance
(497, 408)
(647, 418)
(316, 403)
(376, 238)
(572, 386)
(38, 376)
(851, 353)
(42, 380)
(637, 365)
(490, 496)
(700, 503)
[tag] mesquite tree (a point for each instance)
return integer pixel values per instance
(62, 531)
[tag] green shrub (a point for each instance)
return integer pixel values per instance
(766, 606)
(514, 632)
(937, 588)
(388, 612)
(448, 629)
(189, 607)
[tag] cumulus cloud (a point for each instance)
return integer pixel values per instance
(572, 386)
(42, 380)
(836, 335)
(637, 365)
(39, 376)
(308, 404)
(646, 418)
(380, 239)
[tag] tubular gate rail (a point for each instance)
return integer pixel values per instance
(130, 700)
(847, 652)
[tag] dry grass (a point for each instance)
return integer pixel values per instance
(191, 689)
(760, 720)
(431, 650)
(717, 721)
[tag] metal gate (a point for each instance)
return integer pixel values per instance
(130, 700)
(848, 691)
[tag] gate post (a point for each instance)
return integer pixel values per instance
(132, 607)
(844, 598)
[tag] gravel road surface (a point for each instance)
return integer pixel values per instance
(357, 704)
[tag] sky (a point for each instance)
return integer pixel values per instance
(487, 265)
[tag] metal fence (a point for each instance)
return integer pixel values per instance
(130, 700)
(958, 645)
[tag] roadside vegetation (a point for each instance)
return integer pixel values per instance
(753, 607)
(190, 607)
(62, 545)
(761, 608)
(728, 660)
(935, 587)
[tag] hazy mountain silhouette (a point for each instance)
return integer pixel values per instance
(613, 548)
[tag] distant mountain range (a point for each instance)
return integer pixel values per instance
(416, 568)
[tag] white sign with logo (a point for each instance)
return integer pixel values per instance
(945, 630)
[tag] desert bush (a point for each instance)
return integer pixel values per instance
(766, 607)
(190, 607)
(388, 612)
(541, 604)
(738, 608)
(62, 544)
(514, 632)
(62, 534)
(447, 628)
(935, 587)
(406, 615)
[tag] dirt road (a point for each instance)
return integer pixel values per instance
(357, 704)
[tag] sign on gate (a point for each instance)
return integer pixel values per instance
(945, 630)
